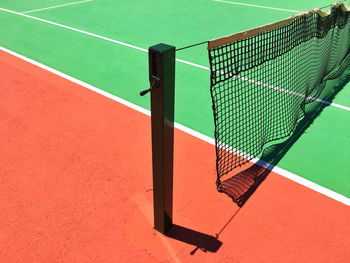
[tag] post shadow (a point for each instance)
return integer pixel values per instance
(200, 240)
(242, 185)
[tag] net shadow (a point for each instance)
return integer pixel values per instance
(242, 185)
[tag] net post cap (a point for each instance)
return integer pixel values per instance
(161, 47)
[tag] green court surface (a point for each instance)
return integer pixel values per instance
(62, 40)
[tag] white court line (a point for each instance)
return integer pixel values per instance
(293, 93)
(145, 50)
(74, 29)
(320, 189)
(56, 6)
(333, 104)
(259, 6)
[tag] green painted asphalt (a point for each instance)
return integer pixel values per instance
(321, 154)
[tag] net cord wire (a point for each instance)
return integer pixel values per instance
(193, 45)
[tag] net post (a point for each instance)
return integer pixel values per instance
(162, 79)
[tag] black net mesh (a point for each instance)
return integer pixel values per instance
(260, 84)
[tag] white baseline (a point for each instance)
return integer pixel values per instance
(258, 6)
(56, 6)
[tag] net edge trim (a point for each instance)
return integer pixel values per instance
(214, 43)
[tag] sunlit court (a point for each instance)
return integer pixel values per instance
(174, 131)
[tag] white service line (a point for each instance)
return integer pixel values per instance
(51, 7)
(259, 6)
(293, 93)
(333, 104)
(145, 50)
(192, 64)
(74, 29)
(320, 189)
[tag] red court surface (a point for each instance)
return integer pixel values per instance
(75, 186)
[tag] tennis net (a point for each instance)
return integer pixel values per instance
(262, 79)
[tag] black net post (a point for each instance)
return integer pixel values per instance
(162, 80)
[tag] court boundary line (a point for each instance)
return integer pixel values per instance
(56, 6)
(145, 50)
(280, 171)
(293, 93)
(258, 6)
(73, 29)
